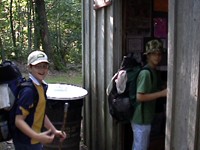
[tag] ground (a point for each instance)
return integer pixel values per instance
(6, 146)
(9, 146)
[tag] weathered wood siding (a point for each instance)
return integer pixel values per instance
(183, 111)
(102, 50)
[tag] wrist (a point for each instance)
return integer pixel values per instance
(36, 136)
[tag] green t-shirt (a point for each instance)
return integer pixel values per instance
(146, 84)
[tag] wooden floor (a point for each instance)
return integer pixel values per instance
(157, 143)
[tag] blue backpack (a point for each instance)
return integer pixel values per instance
(11, 75)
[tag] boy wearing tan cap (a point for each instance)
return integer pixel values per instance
(147, 93)
(31, 117)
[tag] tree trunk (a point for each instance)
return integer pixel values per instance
(43, 26)
(29, 10)
(36, 29)
(12, 28)
(2, 50)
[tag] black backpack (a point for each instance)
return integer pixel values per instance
(12, 76)
(122, 105)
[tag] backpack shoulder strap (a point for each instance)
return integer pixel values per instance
(30, 84)
(108, 89)
(151, 74)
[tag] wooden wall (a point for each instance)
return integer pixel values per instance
(102, 52)
(183, 76)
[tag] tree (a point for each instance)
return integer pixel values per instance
(2, 50)
(11, 26)
(41, 22)
(54, 25)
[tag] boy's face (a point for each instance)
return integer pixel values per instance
(39, 71)
(154, 58)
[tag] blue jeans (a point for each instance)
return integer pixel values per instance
(21, 146)
(141, 134)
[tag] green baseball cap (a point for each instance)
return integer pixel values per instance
(154, 46)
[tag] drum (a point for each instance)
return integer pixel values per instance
(58, 95)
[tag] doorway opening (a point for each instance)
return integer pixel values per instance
(142, 21)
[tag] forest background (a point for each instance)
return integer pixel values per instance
(53, 26)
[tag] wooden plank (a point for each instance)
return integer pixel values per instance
(100, 60)
(86, 70)
(198, 98)
(93, 82)
(194, 106)
(118, 140)
(108, 75)
(183, 72)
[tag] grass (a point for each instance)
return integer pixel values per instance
(70, 77)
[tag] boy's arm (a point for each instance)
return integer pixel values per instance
(144, 86)
(50, 126)
(43, 137)
(23, 126)
(142, 97)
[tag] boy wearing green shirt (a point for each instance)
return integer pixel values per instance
(147, 93)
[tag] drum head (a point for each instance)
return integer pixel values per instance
(65, 92)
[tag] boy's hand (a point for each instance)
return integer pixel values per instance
(61, 134)
(46, 137)
(163, 93)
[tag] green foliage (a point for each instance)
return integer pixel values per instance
(58, 65)
(64, 23)
(67, 16)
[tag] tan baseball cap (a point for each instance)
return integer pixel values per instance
(37, 57)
